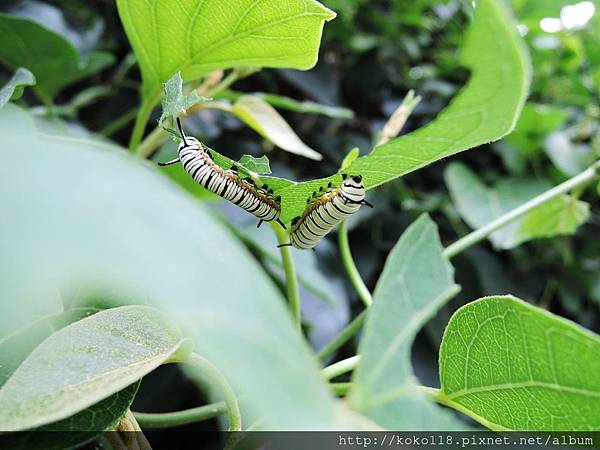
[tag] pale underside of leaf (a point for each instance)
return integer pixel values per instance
(84, 363)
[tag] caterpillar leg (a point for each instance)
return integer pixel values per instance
(259, 223)
(366, 203)
(168, 163)
(289, 244)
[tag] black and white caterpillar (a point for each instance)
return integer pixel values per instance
(326, 211)
(226, 183)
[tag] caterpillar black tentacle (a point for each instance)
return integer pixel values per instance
(198, 162)
(327, 211)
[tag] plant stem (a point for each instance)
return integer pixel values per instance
(118, 123)
(291, 279)
(231, 404)
(351, 269)
(350, 330)
(474, 237)
(141, 120)
(183, 417)
(340, 367)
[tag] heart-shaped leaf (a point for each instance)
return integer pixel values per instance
(200, 36)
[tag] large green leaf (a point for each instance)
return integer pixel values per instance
(199, 36)
(478, 205)
(14, 88)
(15, 347)
(486, 109)
(52, 59)
(510, 365)
(416, 281)
(84, 363)
(88, 219)
(76, 430)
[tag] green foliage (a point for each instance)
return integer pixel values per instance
(478, 205)
(84, 363)
(181, 260)
(49, 56)
(256, 165)
(485, 110)
(174, 102)
(416, 281)
(14, 88)
(199, 37)
(513, 366)
(265, 120)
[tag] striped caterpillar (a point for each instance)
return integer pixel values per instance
(327, 211)
(198, 162)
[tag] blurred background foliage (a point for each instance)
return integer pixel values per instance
(371, 55)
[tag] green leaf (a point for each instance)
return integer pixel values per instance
(14, 88)
(199, 36)
(130, 234)
(560, 216)
(84, 363)
(256, 165)
(49, 56)
(510, 365)
(478, 205)
(15, 347)
(174, 102)
(266, 121)
(76, 430)
(350, 157)
(485, 110)
(416, 281)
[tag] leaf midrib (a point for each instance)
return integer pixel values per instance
(521, 385)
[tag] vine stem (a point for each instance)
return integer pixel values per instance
(340, 367)
(231, 404)
(591, 173)
(141, 120)
(350, 266)
(350, 330)
(291, 278)
(183, 417)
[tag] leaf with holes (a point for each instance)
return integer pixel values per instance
(49, 56)
(174, 102)
(14, 88)
(485, 110)
(84, 363)
(256, 165)
(416, 281)
(199, 36)
(510, 365)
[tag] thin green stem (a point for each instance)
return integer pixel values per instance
(184, 417)
(340, 389)
(340, 367)
(213, 374)
(351, 269)
(593, 172)
(119, 122)
(141, 120)
(291, 278)
(345, 335)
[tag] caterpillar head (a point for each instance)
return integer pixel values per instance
(187, 141)
(352, 180)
